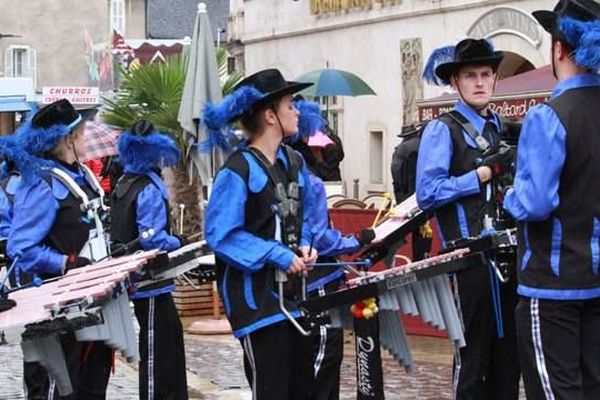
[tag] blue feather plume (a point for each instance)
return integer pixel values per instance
(217, 117)
(143, 153)
(585, 38)
(217, 139)
(28, 165)
(439, 56)
(310, 119)
(37, 140)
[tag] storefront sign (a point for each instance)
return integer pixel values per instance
(75, 94)
(506, 20)
(327, 6)
(513, 109)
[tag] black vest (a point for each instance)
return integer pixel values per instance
(124, 228)
(252, 297)
(579, 206)
(470, 209)
(71, 228)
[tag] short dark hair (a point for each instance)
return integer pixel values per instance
(559, 37)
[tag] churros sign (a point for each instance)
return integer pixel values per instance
(75, 94)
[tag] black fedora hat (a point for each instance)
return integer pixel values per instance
(409, 130)
(272, 84)
(581, 10)
(470, 52)
(61, 112)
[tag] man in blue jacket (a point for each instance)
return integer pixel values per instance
(557, 201)
(457, 159)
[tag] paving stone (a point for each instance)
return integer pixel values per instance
(215, 372)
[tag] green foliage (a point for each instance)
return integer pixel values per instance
(152, 92)
(228, 81)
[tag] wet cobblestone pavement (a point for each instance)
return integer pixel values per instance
(215, 372)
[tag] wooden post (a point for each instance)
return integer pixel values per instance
(216, 301)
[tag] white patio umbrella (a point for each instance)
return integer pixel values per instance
(202, 84)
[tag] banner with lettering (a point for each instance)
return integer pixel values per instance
(513, 109)
(369, 374)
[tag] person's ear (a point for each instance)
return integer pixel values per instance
(270, 116)
(454, 82)
(561, 50)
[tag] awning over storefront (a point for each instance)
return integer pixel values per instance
(512, 98)
(14, 104)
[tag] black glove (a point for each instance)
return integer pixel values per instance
(182, 240)
(74, 261)
(365, 236)
(499, 158)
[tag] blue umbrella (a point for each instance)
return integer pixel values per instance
(334, 82)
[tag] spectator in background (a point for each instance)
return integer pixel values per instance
(332, 156)
(404, 175)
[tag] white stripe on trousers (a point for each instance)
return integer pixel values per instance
(151, 348)
(322, 341)
(537, 347)
(250, 355)
(322, 347)
(52, 388)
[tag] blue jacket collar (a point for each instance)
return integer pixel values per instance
(157, 180)
(577, 81)
(473, 117)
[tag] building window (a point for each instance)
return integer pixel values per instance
(331, 108)
(376, 157)
(117, 15)
(20, 62)
(230, 65)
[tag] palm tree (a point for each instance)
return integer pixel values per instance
(153, 92)
(228, 80)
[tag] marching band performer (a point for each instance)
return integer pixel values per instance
(557, 203)
(140, 204)
(456, 164)
(326, 345)
(50, 234)
(257, 222)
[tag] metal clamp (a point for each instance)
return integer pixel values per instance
(281, 278)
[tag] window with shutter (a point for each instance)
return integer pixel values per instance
(8, 62)
(20, 62)
(117, 15)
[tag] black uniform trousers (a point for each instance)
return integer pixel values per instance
(487, 368)
(88, 363)
(162, 373)
(559, 348)
(274, 363)
(327, 347)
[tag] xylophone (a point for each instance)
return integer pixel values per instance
(91, 301)
(418, 288)
(195, 258)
